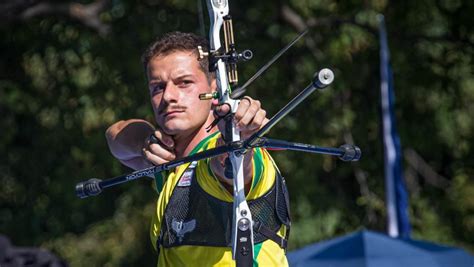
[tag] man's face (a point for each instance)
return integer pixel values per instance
(175, 82)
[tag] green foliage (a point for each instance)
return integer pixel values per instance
(117, 241)
(312, 226)
(62, 85)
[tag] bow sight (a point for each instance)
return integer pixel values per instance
(228, 54)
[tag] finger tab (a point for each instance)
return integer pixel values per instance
(153, 139)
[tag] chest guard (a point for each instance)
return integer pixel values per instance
(193, 217)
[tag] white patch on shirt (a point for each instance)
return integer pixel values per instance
(187, 176)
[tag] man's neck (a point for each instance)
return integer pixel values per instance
(185, 143)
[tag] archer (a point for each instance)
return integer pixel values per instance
(192, 223)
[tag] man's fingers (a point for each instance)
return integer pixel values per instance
(258, 121)
(222, 110)
(249, 113)
(164, 139)
(155, 159)
(249, 116)
(161, 152)
(158, 148)
(244, 105)
(148, 156)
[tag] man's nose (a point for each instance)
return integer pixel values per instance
(171, 93)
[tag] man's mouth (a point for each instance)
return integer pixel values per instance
(172, 112)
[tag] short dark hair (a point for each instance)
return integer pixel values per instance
(178, 41)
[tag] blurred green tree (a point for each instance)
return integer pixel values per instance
(70, 69)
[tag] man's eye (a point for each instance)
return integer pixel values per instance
(185, 83)
(156, 89)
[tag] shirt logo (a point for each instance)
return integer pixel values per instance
(187, 176)
(181, 227)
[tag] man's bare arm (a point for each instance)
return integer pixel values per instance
(129, 142)
(126, 140)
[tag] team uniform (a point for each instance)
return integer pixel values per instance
(193, 218)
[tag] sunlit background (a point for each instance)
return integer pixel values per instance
(67, 74)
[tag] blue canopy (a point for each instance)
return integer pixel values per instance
(367, 248)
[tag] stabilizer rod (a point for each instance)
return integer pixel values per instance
(321, 80)
(94, 186)
(345, 152)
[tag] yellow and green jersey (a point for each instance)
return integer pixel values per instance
(266, 253)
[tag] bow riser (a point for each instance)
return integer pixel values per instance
(242, 224)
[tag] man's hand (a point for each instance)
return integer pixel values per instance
(130, 142)
(249, 117)
(159, 148)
